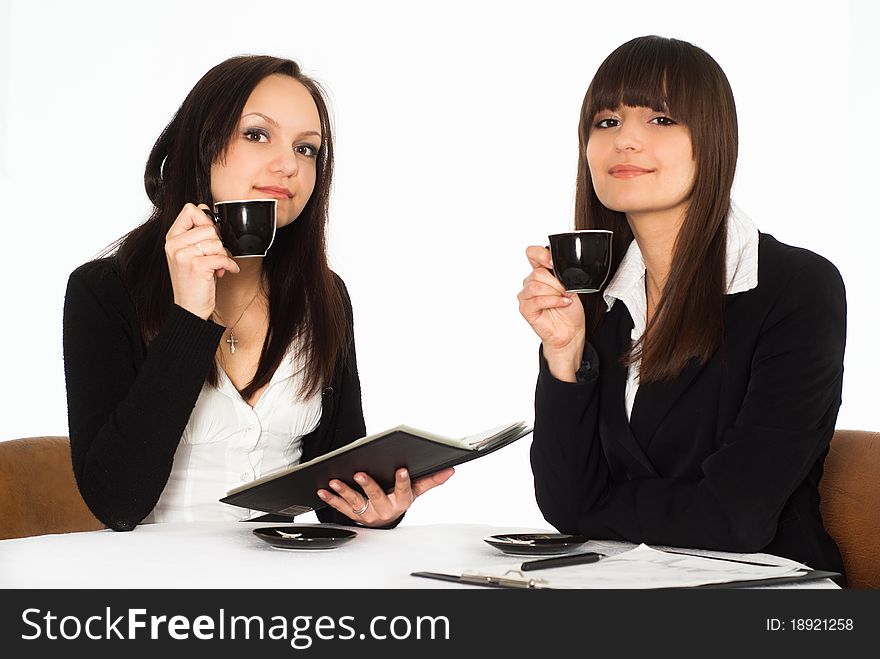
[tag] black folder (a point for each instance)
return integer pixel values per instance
(293, 491)
(526, 581)
(528, 574)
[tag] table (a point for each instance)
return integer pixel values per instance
(229, 555)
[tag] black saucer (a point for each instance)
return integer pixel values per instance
(529, 544)
(304, 537)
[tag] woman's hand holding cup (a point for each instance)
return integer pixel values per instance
(195, 256)
(556, 317)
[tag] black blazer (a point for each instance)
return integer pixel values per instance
(729, 455)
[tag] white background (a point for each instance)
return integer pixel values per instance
(456, 148)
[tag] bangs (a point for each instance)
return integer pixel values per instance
(647, 72)
(636, 87)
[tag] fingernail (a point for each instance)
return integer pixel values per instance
(566, 300)
(335, 485)
(403, 473)
(359, 478)
(322, 494)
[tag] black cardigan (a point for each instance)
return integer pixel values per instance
(727, 456)
(128, 404)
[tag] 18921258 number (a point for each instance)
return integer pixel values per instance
(821, 624)
(809, 624)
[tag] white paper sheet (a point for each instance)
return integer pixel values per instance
(641, 567)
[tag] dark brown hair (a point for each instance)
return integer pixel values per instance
(671, 76)
(306, 302)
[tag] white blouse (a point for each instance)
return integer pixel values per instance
(628, 284)
(227, 443)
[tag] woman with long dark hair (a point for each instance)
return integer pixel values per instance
(692, 402)
(189, 372)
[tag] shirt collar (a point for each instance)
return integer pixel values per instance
(628, 283)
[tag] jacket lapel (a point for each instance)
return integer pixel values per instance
(611, 341)
(653, 402)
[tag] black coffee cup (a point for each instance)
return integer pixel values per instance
(581, 259)
(247, 226)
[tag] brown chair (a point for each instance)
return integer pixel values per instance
(38, 494)
(850, 503)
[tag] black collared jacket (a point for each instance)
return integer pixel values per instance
(728, 456)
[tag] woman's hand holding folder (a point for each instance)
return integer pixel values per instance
(379, 508)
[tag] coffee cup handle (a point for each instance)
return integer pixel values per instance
(212, 216)
(547, 247)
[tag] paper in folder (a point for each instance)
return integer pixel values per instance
(641, 567)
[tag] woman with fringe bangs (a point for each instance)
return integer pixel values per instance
(692, 402)
(168, 409)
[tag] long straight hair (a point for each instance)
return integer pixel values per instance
(305, 301)
(671, 76)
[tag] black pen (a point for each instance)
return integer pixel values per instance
(561, 561)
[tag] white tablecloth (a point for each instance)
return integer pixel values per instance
(229, 555)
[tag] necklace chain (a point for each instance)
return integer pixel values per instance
(232, 340)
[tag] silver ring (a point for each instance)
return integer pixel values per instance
(199, 245)
(362, 509)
